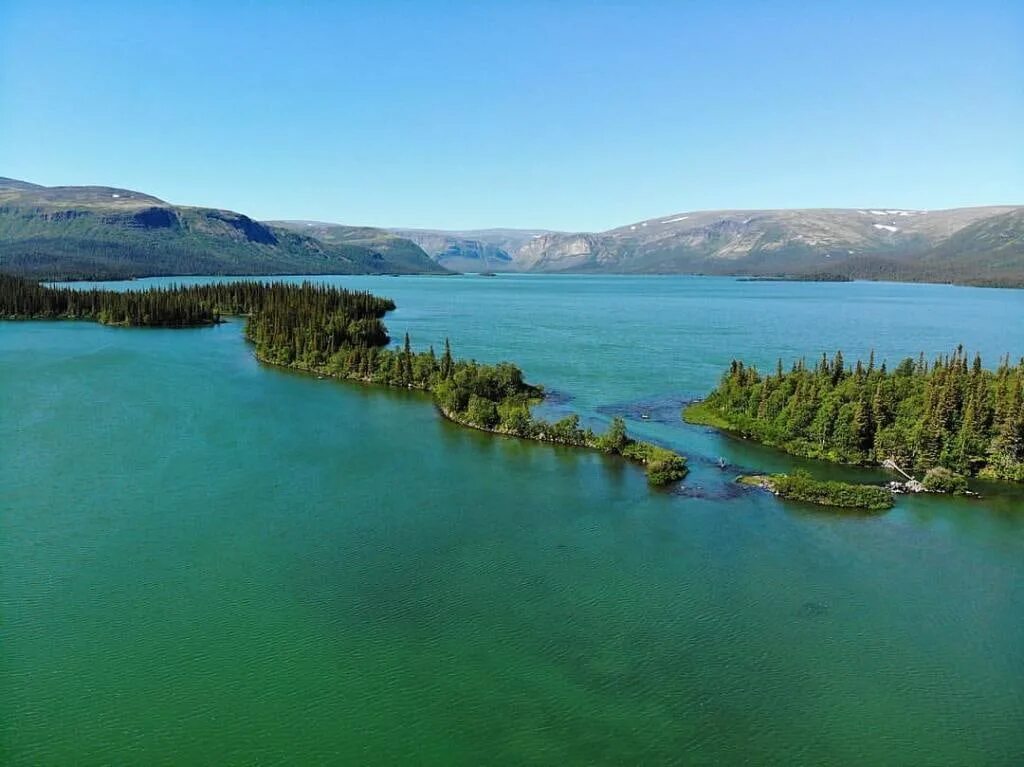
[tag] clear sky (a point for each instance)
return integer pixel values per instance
(564, 115)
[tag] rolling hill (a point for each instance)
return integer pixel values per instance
(971, 245)
(987, 251)
(86, 232)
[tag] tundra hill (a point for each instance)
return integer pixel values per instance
(94, 232)
(910, 244)
(967, 245)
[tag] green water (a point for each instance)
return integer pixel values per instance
(204, 561)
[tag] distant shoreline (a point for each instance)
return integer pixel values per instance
(531, 275)
(822, 277)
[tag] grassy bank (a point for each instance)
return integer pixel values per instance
(703, 414)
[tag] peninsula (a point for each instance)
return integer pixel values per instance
(339, 333)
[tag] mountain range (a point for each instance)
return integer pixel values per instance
(77, 232)
(983, 245)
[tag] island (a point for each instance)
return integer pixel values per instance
(799, 486)
(337, 333)
(950, 414)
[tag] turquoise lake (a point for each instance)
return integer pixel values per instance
(207, 561)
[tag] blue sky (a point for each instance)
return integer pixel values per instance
(562, 115)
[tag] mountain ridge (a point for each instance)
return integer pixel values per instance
(99, 232)
(81, 232)
(866, 243)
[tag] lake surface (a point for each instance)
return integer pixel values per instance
(206, 561)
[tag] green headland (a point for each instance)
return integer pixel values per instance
(334, 332)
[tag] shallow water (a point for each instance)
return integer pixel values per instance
(203, 560)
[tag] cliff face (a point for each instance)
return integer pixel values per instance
(563, 252)
(463, 253)
(472, 250)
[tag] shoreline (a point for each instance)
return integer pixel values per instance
(644, 447)
(1008, 285)
(695, 414)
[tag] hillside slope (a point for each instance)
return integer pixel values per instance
(916, 244)
(399, 251)
(989, 251)
(109, 233)
(104, 232)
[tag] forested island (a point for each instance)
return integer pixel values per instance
(800, 486)
(950, 413)
(340, 333)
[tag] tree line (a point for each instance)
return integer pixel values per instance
(950, 413)
(196, 305)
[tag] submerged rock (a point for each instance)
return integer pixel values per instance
(812, 609)
(723, 491)
(663, 410)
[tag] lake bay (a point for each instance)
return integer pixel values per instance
(206, 560)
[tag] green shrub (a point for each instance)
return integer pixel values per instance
(615, 439)
(663, 466)
(482, 412)
(942, 480)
